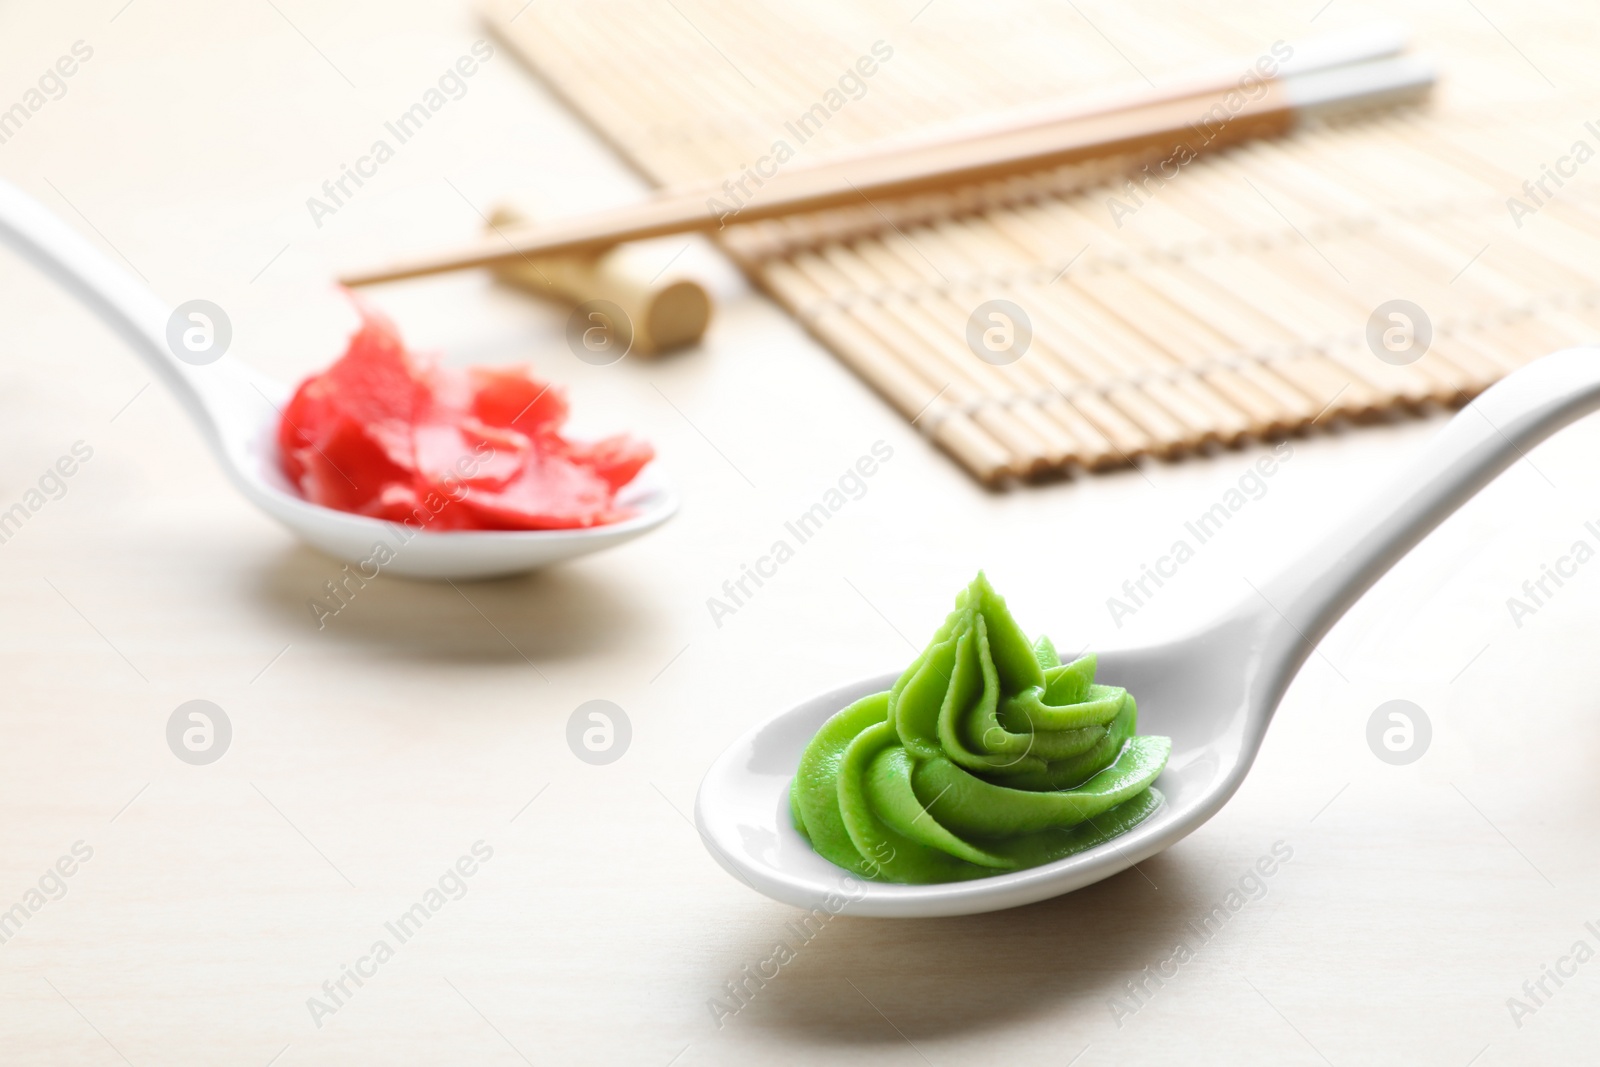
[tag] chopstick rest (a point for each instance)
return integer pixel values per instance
(666, 309)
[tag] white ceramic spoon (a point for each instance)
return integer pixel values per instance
(1213, 693)
(236, 411)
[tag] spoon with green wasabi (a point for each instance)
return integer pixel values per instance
(1212, 693)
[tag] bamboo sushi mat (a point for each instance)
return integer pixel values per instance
(1231, 303)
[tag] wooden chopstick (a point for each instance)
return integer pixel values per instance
(1143, 122)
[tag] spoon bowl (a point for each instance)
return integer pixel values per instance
(1213, 693)
(743, 806)
(237, 412)
(415, 553)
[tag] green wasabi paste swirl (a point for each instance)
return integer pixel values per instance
(988, 755)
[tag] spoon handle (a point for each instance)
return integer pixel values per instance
(1483, 439)
(126, 305)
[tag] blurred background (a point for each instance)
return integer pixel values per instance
(1229, 310)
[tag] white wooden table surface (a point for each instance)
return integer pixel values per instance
(208, 904)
